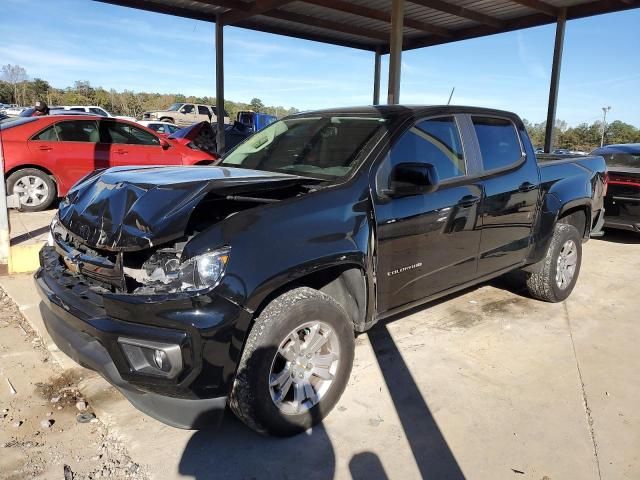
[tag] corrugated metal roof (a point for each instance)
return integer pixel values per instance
(365, 24)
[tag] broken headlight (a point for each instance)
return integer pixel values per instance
(197, 273)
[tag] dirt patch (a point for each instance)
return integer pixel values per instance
(40, 432)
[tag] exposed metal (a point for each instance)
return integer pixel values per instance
(555, 82)
(395, 51)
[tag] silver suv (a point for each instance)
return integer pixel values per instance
(185, 114)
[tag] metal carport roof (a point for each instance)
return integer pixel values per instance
(366, 24)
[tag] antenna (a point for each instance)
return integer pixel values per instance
(451, 95)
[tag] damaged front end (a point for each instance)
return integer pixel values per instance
(125, 230)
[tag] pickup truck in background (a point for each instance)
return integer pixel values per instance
(185, 114)
(243, 283)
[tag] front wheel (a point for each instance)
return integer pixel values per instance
(295, 364)
(555, 276)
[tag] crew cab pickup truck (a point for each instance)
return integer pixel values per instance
(244, 283)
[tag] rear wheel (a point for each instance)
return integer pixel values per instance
(35, 189)
(295, 364)
(555, 276)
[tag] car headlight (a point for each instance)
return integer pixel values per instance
(197, 273)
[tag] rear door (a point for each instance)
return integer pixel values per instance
(131, 145)
(510, 180)
(204, 114)
(72, 147)
(427, 243)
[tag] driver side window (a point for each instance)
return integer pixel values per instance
(187, 109)
(435, 141)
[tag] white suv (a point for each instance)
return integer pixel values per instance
(93, 110)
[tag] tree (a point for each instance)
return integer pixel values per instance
(256, 104)
(14, 74)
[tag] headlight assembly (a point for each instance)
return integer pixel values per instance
(197, 273)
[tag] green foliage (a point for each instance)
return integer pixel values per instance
(15, 87)
(584, 137)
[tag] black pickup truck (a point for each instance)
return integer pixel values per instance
(190, 288)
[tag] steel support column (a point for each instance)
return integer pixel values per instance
(4, 219)
(220, 84)
(395, 51)
(376, 77)
(555, 81)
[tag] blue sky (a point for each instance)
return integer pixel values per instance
(114, 47)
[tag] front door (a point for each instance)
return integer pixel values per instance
(187, 115)
(426, 243)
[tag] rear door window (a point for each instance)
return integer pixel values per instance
(498, 140)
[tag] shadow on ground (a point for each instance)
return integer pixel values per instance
(233, 451)
(620, 236)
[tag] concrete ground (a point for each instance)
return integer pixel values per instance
(28, 228)
(487, 384)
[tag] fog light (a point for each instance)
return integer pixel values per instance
(161, 360)
(152, 358)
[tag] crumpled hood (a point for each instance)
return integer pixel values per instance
(133, 208)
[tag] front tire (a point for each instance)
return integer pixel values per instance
(295, 364)
(166, 119)
(555, 276)
(35, 189)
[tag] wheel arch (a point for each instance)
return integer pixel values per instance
(345, 283)
(23, 166)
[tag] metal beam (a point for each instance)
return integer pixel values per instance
(459, 11)
(395, 58)
(234, 4)
(220, 84)
(327, 24)
(375, 14)
(258, 7)
(252, 24)
(376, 77)
(540, 6)
(555, 81)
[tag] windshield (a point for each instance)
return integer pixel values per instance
(175, 107)
(323, 147)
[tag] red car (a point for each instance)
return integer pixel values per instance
(45, 156)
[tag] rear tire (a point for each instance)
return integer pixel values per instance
(35, 189)
(278, 390)
(555, 276)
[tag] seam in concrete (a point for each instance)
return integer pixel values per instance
(585, 401)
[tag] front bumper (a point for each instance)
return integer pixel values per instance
(86, 326)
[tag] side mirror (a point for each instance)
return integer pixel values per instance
(412, 179)
(164, 143)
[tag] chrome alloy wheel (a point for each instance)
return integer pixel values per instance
(32, 191)
(566, 266)
(304, 367)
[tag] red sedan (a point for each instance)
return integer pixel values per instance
(45, 156)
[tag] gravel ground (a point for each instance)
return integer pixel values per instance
(47, 430)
